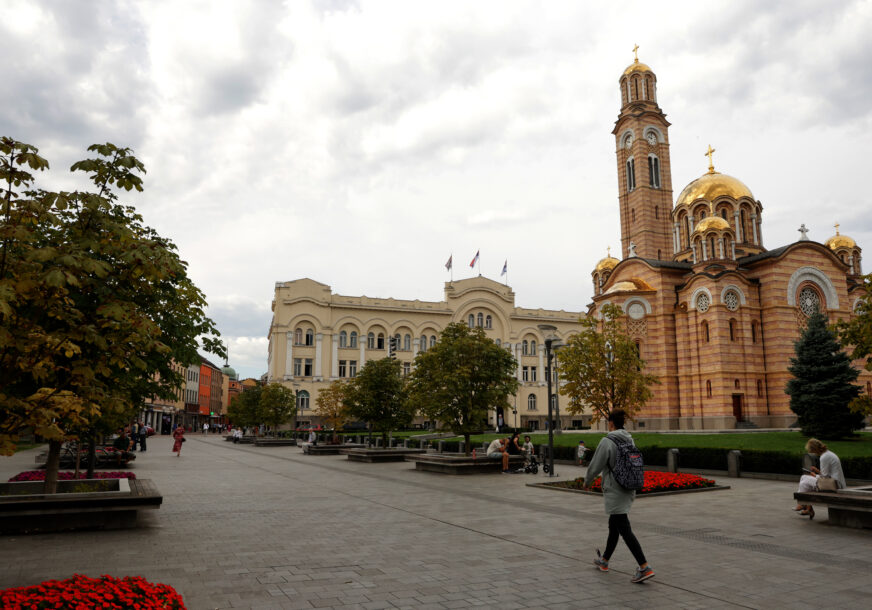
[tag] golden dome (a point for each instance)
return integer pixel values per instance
(840, 241)
(711, 222)
(712, 185)
(607, 263)
(633, 284)
(637, 66)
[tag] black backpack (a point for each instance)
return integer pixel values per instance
(629, 468)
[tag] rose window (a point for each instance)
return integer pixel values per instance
(809, 301)
(702, 303)
(731, 300)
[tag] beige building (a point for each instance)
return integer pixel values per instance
(317, 337)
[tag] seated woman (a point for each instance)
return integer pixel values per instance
(830, 467)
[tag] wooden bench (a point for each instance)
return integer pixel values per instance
(397, 454)
(851, 507)
(328, 449)
(275, 442)
(462, 464)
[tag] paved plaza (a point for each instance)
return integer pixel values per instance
(246, 527)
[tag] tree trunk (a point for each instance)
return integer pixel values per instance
(466, 448)
(51, 467)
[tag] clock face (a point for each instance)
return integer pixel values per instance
(628, 141)
(652, 138)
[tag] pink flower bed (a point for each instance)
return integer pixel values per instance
(39, 475)
(82, 592)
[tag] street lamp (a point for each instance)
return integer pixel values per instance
(551, 342)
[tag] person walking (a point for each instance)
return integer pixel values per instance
(179, 438)
(618, 500)
(143, 435)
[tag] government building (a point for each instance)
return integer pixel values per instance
(714, 312)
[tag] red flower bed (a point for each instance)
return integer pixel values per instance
(82, 593)
(654, 481)
(39, 475)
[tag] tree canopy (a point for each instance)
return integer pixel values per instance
(856, 332)
(377, 395)
(461, 378)
(330, 405)
(277, 405)
(602, 369)
(823, 383)
(95, 306)
(244, 411)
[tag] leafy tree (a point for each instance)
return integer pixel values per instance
(331, 406)
(856, 332)
(95, 307)
(461, 378)
(378, 396)
(244, 411)
(277, 405)
(822, 385)
(602, 368)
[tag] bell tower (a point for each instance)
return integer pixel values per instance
(644, 175)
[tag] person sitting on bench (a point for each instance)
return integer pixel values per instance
(497, 449)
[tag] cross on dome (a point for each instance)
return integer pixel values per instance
(636, 52)
(836, 226)
(709, 155)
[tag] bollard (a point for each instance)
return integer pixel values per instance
(441, 446)
(461, 447)
(405, 443)
(672, 456)
(734, 463)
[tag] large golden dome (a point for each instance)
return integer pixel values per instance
(637, 66)
(840, 241)
(633, 284)
(712, 185)
(711, 222)
(608, 262)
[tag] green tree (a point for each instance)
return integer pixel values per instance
(378, 396)
(331, 406)
(822, 385)
(244, 411)
(602, 369)
(277, 405)
(95, 307)
(461, 378)
(856, 332)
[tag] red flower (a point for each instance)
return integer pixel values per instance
(85, 592)
(655, 481)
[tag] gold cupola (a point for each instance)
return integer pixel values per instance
(838, 241)
(603, 270)
(712, 185)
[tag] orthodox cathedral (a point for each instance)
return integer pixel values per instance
(714, 312)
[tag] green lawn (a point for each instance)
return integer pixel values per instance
(792, 442)
(24, 447)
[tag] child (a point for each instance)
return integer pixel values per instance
(528, 448)
(580, 453)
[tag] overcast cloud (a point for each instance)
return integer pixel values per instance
(362, 143)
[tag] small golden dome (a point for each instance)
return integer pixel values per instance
(712, 185)
(840, 241)
(711, 222)
(637, 66)
(633, 284)
(607, 263)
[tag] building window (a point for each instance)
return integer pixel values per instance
(658, 255)
(633, 215)
(744, 231)
(760, 388)
(423, 343)
(432, 340)
(731, 300)
(307, 371)
(724, 213)
(532, 373)
(407, 343)
(343, 339)
(708, 389)
(488, 321)
(525, 347)
(532, 348)
(407, 368)
(754, 331)
(298, 367)
(809, 301)
(657, 212)
(531, 402)
(525, 373)
(631, 174)
(705, 332)
(352, 368)
(302, 400)
(654, 172)
(480, 319)
(342, 368)
(370, 341)
(732, 330)
(702, 302)
(310, 337)
(352, 339)
(298, 336)
(499, 343)
(380, 341)
(470, 321)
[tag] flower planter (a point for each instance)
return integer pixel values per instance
(84, 592)
(656, 484)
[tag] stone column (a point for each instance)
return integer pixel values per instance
(362, 344)
(319, 339)
(754, 229)
(851, 263)
(541, 374)
(289, 356)
(689, 230)
(733, 249)
(416, 346)
(704, 250)
(693, 248)
(739, 237)
(676, 238)
(334, 357)
(721, 247)
(518, 358)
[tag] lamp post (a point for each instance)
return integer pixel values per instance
(550, 342)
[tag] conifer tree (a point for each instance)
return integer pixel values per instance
(822, 384)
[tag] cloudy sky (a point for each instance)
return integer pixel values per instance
(362, 143)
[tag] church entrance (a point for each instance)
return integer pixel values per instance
(737, 407)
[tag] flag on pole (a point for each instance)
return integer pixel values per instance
(448, 264)
(475, 260)
(505, 268)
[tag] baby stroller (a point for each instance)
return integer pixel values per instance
(531, 466)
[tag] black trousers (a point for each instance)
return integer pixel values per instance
(620, 525)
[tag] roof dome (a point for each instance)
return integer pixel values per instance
(711, 222)
(712, 185)
(607, 263)
(229, 371)
(840, 241)
(633, 284)
(637, 66)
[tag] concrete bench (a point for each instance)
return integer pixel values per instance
(328, 449)
(462, 464)
(379, 455)
(275, 442)
(851, 507)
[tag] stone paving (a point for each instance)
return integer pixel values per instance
(247, 527)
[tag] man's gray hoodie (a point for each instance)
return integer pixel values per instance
(617, 499)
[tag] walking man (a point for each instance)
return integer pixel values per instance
(618, 500)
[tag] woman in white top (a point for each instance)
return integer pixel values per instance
(830, 467)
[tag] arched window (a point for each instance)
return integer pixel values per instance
(708, 389)
(370, 341)
(499, 343)
(480, 319)
(531, 402)
(732, 330)
(658, 254)
(809, 300)
(470, 321)
(423, 343)
(380, 341)
(736, 384)
(532, 348)
(653, 171)
(705, 332)
(488, 321)
(432, 340)
(744, 230)
(656, 211)
(631, 174)
(352, 339)
(712, 253)
(298, 336)
(397, 341)
(343, 339)
(407, 342)
(310, 337)
(724, 213)
(525, 347)
(302, 400)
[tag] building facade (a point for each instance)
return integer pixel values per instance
(714, 312)
(317, 337)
